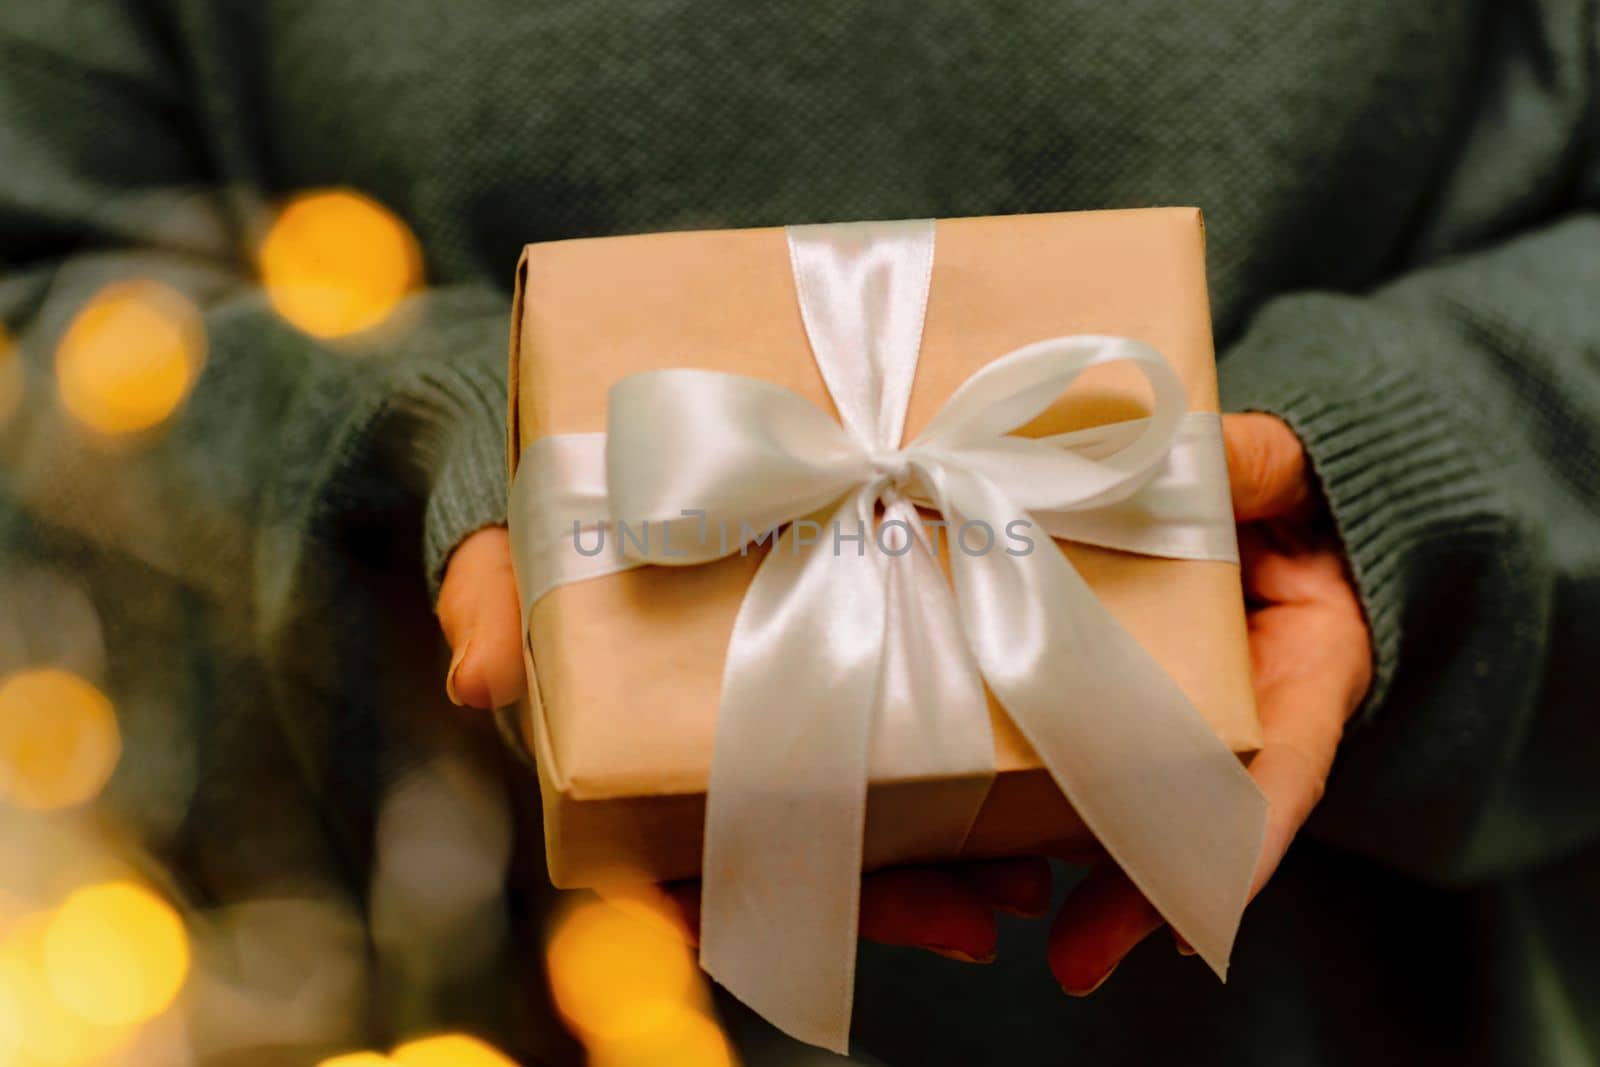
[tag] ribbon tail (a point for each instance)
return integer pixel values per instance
(932, 721)
(786, 805)
(1171, 804)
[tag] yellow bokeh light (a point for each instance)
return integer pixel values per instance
(440, 1050)
(617, 972)
(59, 741)
(11, 1025)
(116, 953)
(448, 1050)
(130, 357)
(353, 1059)
(638, 895)
(11, 382)
(42, 1029)
(336, 262)
(683, 1038)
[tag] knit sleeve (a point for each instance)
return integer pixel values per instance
(1453, 417)
(107, 181)
(1452, 414)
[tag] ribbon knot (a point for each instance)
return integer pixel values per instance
(893, 468)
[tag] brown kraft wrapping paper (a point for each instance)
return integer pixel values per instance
(625, 670)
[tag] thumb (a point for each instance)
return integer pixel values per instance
(1266, 467)
(479, 615)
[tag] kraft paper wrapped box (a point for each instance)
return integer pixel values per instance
(625, 669)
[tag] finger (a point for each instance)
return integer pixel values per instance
(1100, 923)
(1274, 575)
(918, 907)
(927, 907)
(1322, 637)
(479, 615)
(1267, 470)
(1313, 669)
(1269, 573)
(1014, 886)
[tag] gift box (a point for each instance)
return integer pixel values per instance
(626, 669)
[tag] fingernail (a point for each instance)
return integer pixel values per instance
(1183, 947)
(1069, 991)
(455, 665)
(959, 956)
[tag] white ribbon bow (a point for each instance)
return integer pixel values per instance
(851, 659)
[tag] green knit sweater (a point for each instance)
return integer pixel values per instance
(1403, 208)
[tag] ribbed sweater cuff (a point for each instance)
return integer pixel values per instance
(1351, 378)
(469, 491)
(457, 411)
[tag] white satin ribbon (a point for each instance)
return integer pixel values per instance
(852, 659)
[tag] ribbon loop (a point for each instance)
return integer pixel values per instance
(1018, 387)
(713, 461)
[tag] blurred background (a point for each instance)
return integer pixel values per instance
(170, 891)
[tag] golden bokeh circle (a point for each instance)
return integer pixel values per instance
(357, 1059)
(448, 1050)
(42, 1028)
(617, 972)
(116, 953)
(336, 262)
(130, 356)
(59, 741)
(683, 1038)
(12, 1021)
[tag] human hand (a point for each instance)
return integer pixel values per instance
(478, 612)
(1310, 653)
